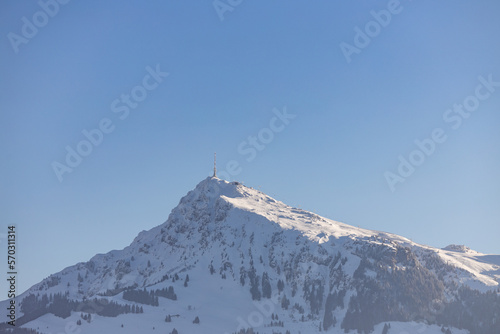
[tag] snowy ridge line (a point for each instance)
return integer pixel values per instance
(319, 229)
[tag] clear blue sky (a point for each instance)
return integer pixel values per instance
(352, 119)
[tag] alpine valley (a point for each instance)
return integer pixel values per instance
(230, 259)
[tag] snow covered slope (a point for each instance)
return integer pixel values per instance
(237, 258)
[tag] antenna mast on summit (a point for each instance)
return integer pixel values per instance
(215, 165)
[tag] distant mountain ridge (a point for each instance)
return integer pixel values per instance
(236, 259)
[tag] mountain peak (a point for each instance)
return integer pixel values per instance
(215, 187)
(208, 194)
(457, 248)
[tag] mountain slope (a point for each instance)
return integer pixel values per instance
(237, 258)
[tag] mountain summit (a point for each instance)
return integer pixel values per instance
(230, 259)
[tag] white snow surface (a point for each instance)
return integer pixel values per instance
(482, 271)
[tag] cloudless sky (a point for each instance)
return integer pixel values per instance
(352, 119)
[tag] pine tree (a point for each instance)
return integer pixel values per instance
(266, 286)
(285, 303)
(254, 284)
(242, 276)
(281, 285)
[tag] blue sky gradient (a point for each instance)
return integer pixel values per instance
(352, 119)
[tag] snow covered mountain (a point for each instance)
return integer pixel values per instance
(231, 259)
